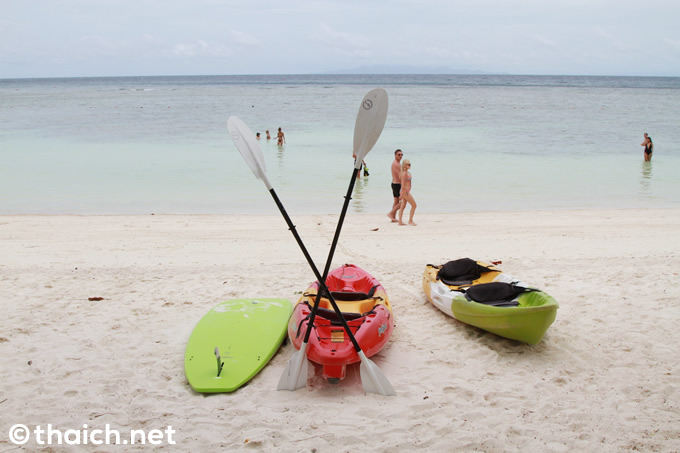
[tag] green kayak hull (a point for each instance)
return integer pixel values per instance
(527, 322)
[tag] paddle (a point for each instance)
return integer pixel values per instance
(244, 139)
(368, 127)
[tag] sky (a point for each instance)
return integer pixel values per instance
(82, 38)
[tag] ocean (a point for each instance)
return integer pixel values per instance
(142, 145)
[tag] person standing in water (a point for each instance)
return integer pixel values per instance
(269, 137)
(649, 147)
(406, 196)
(396, 184)
(280, 138)
(363, 163)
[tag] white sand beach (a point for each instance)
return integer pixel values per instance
(606, 377)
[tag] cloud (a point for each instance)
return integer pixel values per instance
(200, 48)
(542, 40)
(102, 45)
(673, 43)
(73, 37)
(602, 33)
(603, 36)
(151, 39)
(204, 48)
(349, 44)
(244, 39)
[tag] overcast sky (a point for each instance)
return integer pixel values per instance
(64, 38)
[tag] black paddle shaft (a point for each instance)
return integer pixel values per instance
(331, 252)
(322, 281)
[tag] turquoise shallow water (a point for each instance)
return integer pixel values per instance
(142, 145)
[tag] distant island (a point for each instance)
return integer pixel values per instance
(404, 69)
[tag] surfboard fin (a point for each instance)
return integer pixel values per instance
(220, 363)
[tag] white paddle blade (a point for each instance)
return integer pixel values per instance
(247, 145)
(294, 377)
(370, 122)
(373, 380)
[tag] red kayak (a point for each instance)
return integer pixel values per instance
(364, 305)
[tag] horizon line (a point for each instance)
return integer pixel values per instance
(503, 74)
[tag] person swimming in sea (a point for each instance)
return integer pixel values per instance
(649, 147)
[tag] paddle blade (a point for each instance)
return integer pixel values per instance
(373, 380)
(247, 145)
(370, 122)
(295, 374)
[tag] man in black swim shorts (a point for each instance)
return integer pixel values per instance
(396, 184)
(396, 189)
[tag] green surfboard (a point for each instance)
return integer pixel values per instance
(233, 342)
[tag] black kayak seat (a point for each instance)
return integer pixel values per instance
(496, 294)
(461, 272)
(349, 296)
(333, 317)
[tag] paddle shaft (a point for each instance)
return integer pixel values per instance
(322, 281)
(345, 206)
